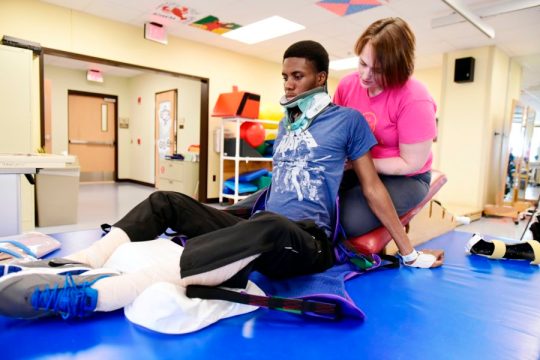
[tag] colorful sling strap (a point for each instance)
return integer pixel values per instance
(306, 307)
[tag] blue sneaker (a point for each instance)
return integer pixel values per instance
(31, 294)
(59, 266)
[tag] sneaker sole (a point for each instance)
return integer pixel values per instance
(19, 306)
(9, 269)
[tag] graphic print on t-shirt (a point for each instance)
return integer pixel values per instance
(371, 119)
(301, 174)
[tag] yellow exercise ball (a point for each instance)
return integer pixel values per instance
(271, 111)
(271, 134)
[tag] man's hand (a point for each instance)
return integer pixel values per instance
(427, 259)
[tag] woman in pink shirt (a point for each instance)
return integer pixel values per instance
(401, 114)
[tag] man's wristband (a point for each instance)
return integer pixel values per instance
(410, 257)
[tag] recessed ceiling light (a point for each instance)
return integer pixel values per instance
(268, 28)
(344, 64)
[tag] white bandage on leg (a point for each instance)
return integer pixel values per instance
(142, 264)
(422, 260)
(98, 253)
(219, 275)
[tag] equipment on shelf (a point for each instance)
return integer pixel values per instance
(241, 160)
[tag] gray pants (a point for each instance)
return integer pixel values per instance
(355, 215)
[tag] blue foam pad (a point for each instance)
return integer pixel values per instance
(325, 286)
(471, 308)
(251, 175)
(242, 187)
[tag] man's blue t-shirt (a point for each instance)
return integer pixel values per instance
(308, 165)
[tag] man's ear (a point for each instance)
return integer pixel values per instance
(322, 76)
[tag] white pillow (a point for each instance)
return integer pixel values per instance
(165, 308)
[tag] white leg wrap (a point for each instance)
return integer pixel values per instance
(219, 275)
(98, 253)
(142, 264)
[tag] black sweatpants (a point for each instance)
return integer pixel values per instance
(217, 238)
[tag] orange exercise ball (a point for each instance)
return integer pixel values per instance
(252, 133)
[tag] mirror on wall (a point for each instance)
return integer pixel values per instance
(532, 189)
(522, 176)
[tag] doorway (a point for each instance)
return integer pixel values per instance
(92, 134)
(141, 84)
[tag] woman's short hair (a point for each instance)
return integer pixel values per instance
(393, 44)
(312, 51)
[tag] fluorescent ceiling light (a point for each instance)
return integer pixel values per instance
(268, 28)
(499, 8)
(344, 64)
(471, 17)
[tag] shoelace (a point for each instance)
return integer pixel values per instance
(69, 301)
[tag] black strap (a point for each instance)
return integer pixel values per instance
(307, 307)
(245, 98)
(30, 179)
(392, 262)
(106, 228)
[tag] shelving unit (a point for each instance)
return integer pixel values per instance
(237, 159)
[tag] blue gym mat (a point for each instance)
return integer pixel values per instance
(471, 308)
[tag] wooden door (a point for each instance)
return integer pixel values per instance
(165, 127)
(92, 134)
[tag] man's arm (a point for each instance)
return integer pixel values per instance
(380, 203)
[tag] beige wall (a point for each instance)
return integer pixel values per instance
(142, 120)
(471, 114)
(62, 80)
(19, 115)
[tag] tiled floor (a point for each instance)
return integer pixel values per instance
(108, 202)
(101, 203)
(498, 227)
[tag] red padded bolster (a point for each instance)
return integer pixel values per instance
(374, 241)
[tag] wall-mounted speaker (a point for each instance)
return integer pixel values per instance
(464, 70)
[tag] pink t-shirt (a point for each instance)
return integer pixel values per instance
(397, 115)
